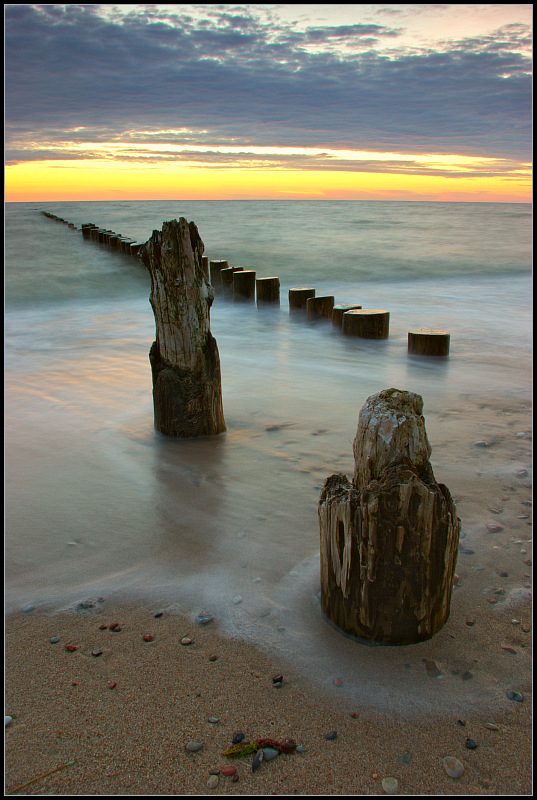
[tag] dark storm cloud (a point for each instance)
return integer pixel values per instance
(263, 83)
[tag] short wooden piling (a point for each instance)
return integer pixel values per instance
(339, 310)
(226, 276)
(320, 307)
(215, 267)
(367, 323)
(244, 286)
(428, 342)
(298, 297)
(135, 248)
(268, 291)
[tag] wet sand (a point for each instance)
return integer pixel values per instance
(396, 712)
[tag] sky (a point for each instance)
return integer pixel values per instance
(212, 101)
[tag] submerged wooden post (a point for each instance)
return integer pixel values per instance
(298, 297)
(187, 393)
(339, 310)
(320, 307)
(428, 342)
(215, 267)
(226, 276)
(244, 286)
(389, 538)
(368, 323)
(268, 291)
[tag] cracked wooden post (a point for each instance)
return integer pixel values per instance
(187, 393)
(389, 538)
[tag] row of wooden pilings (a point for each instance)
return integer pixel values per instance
(243, 286)
(240, 285)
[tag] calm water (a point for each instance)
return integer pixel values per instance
(98, 504)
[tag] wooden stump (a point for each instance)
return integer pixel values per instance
(389, 539)
(87, 228)
(215, 268)
(244, 286)
(339, 310)
(298, 297)
(268, 291)
(187, 393)
(368, 323)
(226, 276)
(428, 342)
(320, 307)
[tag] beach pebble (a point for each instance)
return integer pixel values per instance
(300, 749)
(453, 767)
(228, 771)
(493, 527)
(390, 786)
(193, 747)
(237, 737)
(269, 753)
(112, 685)
(212, 782)
(432, 668)
(147, 637)
(54, 639)
(7, 720)
(103, 627)
(515, 696)
(213, 720)
(28, 608)
(331, 736)
(258, 758)
(491, 726)
(204, 617)
(115, 626)
(481, 443)
(96, 653)
(186, 640)
(237, 599)
(70, 648)
(471, 744)
(158, 614)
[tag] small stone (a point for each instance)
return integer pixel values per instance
(522, 473)
(300, 749)
(70, 648)
(491, 726)
(404, 758)
(515, 696)
(481, 443)
(193, 747)
(212, 781)
(186, 640)
(453, 767)
(269, 753)
(115, 626)
(471, 744)
(103, 627)
(147, 637)
(258, 758)
(390, 786)
(54, 639)
(28, 608)
(7, 720)
(470, 622)
(493, 527)
(237, 599)
(496, 510)
(509, 650)
(338, 682)
(331, 736)
(228, 771)
(213, 720)
(237, 737)
(204, 617)
(112, 685)
(96, 653)
(354, 714)
(213, 657)
(158, 614)
(467, 675)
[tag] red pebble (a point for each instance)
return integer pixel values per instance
(492, 527)
(70, 648)
(103, 627)
(112, 685)
(228, 771)
(115, 626)
(148, 637)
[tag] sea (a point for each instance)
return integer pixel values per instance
(99, 505)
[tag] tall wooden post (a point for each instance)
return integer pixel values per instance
(187, 393)
(389, 539)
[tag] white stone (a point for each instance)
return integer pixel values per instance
(453, 767)
(390, 785)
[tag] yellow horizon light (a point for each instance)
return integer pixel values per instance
(115, 180)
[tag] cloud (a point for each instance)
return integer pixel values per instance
(237, 74)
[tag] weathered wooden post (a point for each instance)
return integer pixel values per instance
(215, 267)
(320, 307)
(368, 323)
(428, 342)
(298, 297)
(244, 286)
(187, 393)
(389, 539)
(339, 310)
(268, 291)
(226, 276)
